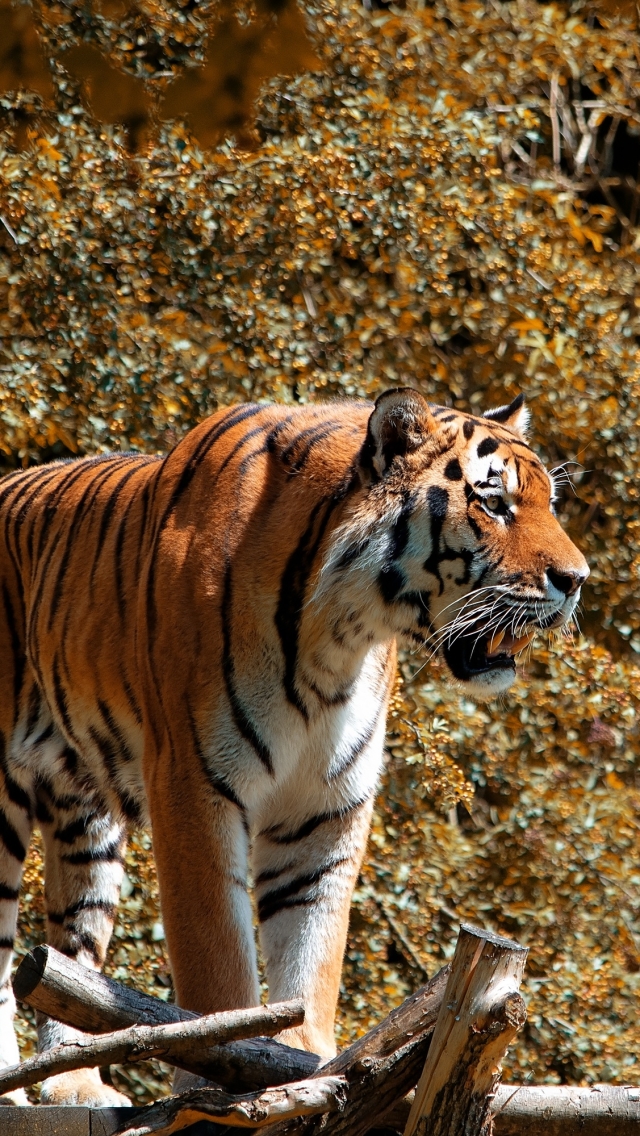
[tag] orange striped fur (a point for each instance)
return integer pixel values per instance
(207, 641)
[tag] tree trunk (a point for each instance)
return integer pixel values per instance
(480, 1015)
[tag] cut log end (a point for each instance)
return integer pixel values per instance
(29, 973)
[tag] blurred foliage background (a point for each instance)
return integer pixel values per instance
(204, 203)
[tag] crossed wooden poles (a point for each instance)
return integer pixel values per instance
(448, 1039)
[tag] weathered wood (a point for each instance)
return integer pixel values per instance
(60, 987)
(551, 1110)
(380, 1067)
(566, 1110)
(321, 1095)
(85, 999)
(185, 1044)
(480, 1015)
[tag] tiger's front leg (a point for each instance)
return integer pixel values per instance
(305, 872)
(200, 843)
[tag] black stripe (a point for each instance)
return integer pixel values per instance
(272, 874)
(279, 898)
(34, 707)
(61, 702)
(293, 586)
(16, 794)
(107, 514)
(74, 829)
(400, 528)
(87, 498)
(135, 709)
(320, 432)
(233, 417)
(109, 754)
(216, 782)
(115, 730)
(67, 801)
(467, 428)
(17, 649)
(308, 826)
(7, 892)
(438, 501)
(355, 752)
(82, 905)
(49, 512)
(111, 854)
(85, 942)
(240, 715)
(10, 838)
(6, 944)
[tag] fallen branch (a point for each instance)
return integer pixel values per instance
(71, 993)
(306, 1098)
(185, 1044)
(480, 1015)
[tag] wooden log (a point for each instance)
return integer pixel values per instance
(321, 1095)
(566, 1110)
(481, 1013)
(550, 1110)
(63, 989)
(380, 1067)
(185, 1044)
(71, 993)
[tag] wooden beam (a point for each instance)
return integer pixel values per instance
(481, 1013)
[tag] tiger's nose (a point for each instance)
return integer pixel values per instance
(567, 582)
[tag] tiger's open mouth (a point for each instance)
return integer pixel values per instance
(474, 654)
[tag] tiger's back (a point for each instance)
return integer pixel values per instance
(208, 641)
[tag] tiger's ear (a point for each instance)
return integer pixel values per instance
(400, 423)
(515, 415)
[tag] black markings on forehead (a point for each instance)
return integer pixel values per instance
(438, 501)
(487, 446)
(453, 471)
(467, 428)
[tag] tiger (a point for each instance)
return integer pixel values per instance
(206, 642)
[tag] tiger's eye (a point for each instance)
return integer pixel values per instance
(493, 503)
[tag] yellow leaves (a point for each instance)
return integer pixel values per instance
(530, 324)
(582, 232)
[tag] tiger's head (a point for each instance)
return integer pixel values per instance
(455, 520)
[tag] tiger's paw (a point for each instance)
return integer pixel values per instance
(18, 1096)
(84, 1087)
